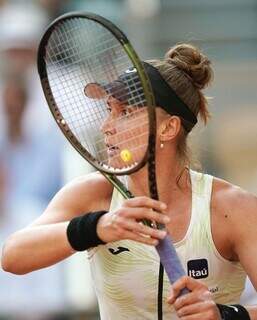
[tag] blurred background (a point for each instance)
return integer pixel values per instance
(35, 160)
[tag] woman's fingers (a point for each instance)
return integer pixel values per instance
(198, 307)
(185, 282)
(145, 202)
(197, 304)
(136, 227)
(124, 223)
(142, 213)
(191, 298)
(126, 234)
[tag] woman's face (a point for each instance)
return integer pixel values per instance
(125, 133)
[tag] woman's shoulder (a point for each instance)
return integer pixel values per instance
(88, 192)
(234, 217)
(229, 197)
(92, 183)
(95, 179)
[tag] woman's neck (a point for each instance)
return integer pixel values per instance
(172, 176)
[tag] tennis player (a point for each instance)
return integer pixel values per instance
(212, 222)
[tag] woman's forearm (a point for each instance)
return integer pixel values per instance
(36, 247)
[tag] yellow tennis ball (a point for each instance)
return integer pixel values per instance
(126, 155)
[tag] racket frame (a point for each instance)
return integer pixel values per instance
(146, 85)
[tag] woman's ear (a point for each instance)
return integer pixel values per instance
(169, 128)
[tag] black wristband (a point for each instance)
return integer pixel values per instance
(233, 312)
(81, 231)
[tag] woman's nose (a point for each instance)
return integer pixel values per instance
(108, 126)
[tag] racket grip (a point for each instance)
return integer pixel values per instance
(170, 261)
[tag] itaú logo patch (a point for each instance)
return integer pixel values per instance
(198, 269)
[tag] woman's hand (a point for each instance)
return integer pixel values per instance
(124, 223)
(195, 305)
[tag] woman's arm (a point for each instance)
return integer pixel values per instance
(44, 242)
(35, 247)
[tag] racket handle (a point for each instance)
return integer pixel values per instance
(170, 261)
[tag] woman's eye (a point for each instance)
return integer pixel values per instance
(126, 112)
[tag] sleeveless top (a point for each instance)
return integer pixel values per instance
(125, 273)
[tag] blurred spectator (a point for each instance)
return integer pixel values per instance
(21, 27)
(30, 160)
(30, 169)
(54, 7)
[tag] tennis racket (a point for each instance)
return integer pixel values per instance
(83, 62)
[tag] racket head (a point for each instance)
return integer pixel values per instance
(80, 55)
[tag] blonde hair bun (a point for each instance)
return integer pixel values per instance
(192, 62)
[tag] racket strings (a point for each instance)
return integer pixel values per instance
(80, 52)
(118, 145)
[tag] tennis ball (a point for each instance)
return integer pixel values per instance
(126, 155)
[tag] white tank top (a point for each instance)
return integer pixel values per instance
(125, 273)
